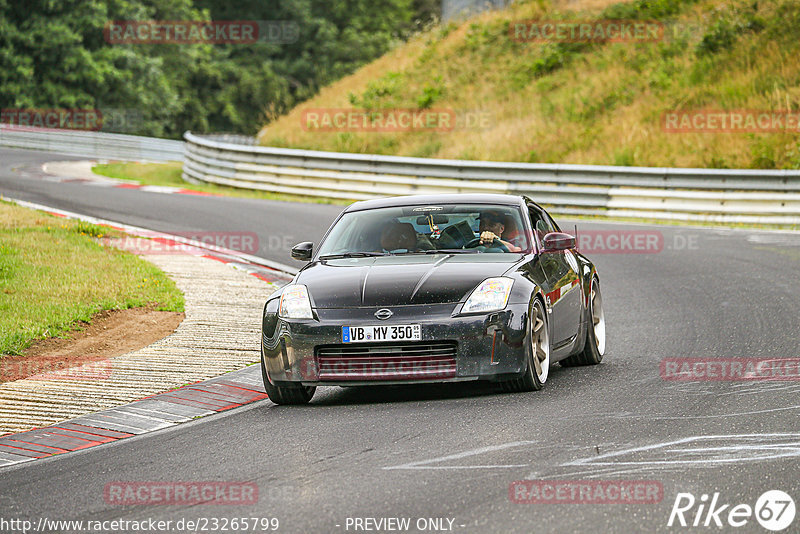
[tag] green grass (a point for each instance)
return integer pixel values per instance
(54, 273)
(146, 173)
(169, 174)
(596, 103)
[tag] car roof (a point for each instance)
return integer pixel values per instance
(415, 200)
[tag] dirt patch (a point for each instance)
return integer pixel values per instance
(111, 333)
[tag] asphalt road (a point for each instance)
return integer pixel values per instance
(279, 225)
(452, 451)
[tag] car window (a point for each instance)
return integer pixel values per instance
(541, 224)
(551, 222)
(427, 229)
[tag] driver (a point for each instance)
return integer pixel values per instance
(491, 229)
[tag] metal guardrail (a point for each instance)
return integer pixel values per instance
(712, 195)
(96, 145)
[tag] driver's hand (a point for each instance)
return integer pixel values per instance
(488, 237)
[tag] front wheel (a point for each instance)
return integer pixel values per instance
(538, 367)
(595, 346)
(298, 394)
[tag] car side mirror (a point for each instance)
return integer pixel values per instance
(303, 251)
(555, 241)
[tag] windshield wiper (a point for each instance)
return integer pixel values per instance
(351, 255)
(442, 251)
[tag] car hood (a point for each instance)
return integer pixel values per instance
(400, 280)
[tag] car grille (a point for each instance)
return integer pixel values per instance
(380, 361)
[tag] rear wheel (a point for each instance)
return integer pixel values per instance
(595, 345)
(294, 394)
(538, 353)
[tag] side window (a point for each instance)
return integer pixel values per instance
(552, 223)
(541, 224)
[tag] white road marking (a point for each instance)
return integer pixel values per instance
(756, 388)
(737, 451)
(738, 414)
(424, 464)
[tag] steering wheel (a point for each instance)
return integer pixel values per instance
(496, 244)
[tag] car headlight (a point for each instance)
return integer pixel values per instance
(490, 295)
(295, 303)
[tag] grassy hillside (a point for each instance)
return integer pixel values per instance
(592, 103)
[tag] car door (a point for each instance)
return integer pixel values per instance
(562, 291)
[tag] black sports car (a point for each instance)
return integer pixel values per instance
(438, 288)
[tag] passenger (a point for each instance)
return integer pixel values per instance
(491, 228)
(396, 235)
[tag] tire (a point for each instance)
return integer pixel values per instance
(595, 345)
(298, 394)
(538, 353)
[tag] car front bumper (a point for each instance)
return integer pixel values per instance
(453, 348)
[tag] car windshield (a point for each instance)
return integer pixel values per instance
(452, 228)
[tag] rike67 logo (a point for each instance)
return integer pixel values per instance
(774, 510)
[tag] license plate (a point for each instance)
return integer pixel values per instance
(395, 332)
